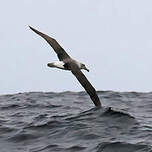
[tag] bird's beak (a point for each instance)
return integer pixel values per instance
(86, 69)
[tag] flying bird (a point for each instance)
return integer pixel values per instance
(67, 63)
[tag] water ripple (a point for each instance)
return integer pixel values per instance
(68, 122)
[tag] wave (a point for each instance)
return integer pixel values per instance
(122, 147)
(68, 121)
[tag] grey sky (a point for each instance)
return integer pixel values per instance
(112, 37)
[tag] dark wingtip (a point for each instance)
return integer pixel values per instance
(36, 31)
(31, 28)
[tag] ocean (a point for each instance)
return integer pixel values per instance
(69, 122)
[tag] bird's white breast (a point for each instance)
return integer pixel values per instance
(78, 64)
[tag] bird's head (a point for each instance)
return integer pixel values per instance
(84, 67)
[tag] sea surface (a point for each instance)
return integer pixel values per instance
(69, 122)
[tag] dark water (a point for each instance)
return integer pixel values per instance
(68, 122)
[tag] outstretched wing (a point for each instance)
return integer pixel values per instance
(86, 84)
(62, 55)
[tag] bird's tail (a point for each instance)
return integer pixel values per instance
(50, 64)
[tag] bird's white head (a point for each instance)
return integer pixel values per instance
(84, 67)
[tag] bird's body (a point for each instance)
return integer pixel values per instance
(64, 65)
(67, 63)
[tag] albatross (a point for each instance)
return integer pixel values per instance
(67, 63)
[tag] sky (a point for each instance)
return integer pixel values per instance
(112, 37)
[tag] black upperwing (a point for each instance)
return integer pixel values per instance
(62, 55)
(86, 85)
